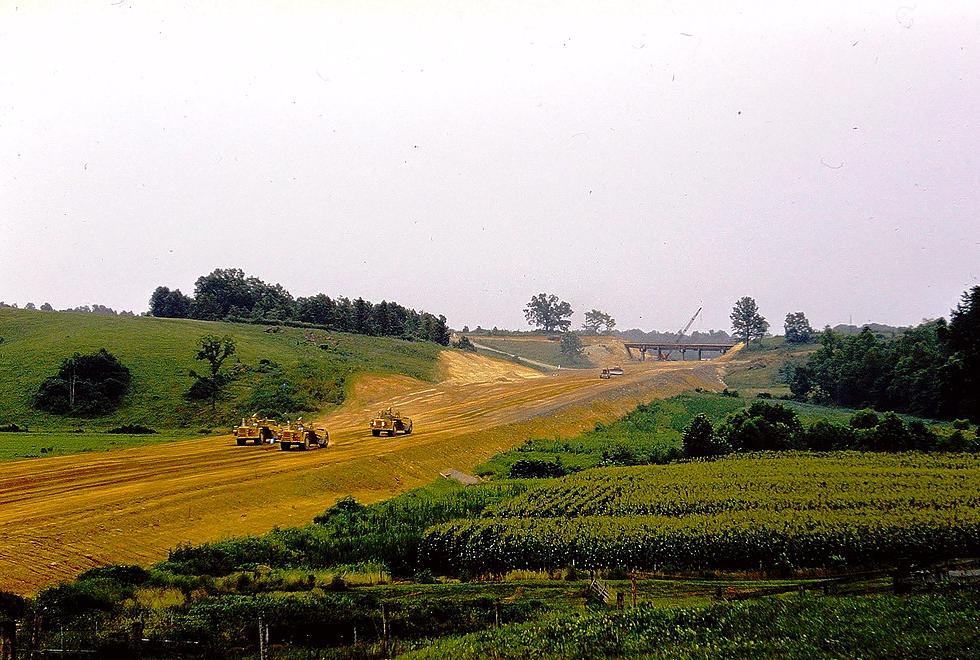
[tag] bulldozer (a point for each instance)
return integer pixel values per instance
(303, 435)
(256, 429)
(390, 422)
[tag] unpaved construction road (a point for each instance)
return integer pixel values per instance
(62, 515)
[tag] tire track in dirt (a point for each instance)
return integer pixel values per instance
(62, 515)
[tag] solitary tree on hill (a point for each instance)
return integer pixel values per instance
(797, 328)
(214, 350)
(594, 320)
(747, 322)
(547, 312)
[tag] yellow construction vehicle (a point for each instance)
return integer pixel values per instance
(303, 435)
(256, 429)
(390, 422)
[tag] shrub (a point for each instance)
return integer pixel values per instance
(890, 434)
(921, 436)
(961, 424)
(99, 382)
(956, 441)
(864, 419)
(132, 429)
(13, 428)
(464, 344)
(124, 574)
(731, 393)
(532, 468)
(345, 506)
(762, 427)
(12, 606)
(700, 439)
(827, 436)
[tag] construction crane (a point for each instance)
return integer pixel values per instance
(687, 327)
(661, 355)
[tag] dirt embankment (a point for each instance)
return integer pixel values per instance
(60, 516)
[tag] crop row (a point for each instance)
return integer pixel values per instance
(731, 540)
(800, 482)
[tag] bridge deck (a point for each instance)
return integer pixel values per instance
(665, 347)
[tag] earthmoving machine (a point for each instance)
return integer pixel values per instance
(616, 371)
(390, 422)
(256, 429)
(605, 374)
(303, 435)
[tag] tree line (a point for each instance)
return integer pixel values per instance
(227, 294)
(932, 370)
(86, 309)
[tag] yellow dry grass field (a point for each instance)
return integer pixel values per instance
(63, 515)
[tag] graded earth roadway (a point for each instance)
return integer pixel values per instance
(62, 515)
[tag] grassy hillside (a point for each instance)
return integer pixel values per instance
(540, 349)
(756, 369)
(315, 366)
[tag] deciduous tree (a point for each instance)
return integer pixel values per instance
(547, 312)
(797, 328)
(214, 350)
(747, 322)
(594, 320)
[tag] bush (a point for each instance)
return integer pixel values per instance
(890, 434)
(124, 574)
(464, 344)
(956, 441)
(864, 419)
(762, 427)
(132, 429)
(12, 606)
(921, 436)
(345, 506)
(700, 439)
(961, 424)
(827, 436)
(13, 428)
(532, 468)
(100, 382)
(731, 393)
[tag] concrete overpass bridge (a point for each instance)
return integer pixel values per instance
(663, 349)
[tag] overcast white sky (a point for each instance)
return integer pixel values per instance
(644, 159)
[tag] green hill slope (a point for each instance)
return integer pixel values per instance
(282, 367)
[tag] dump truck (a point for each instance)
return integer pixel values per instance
(390, 422)
(256, 429)
(303, 435)
(616, 371)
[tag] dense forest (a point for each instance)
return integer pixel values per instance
(227, 294)
(932, 370)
